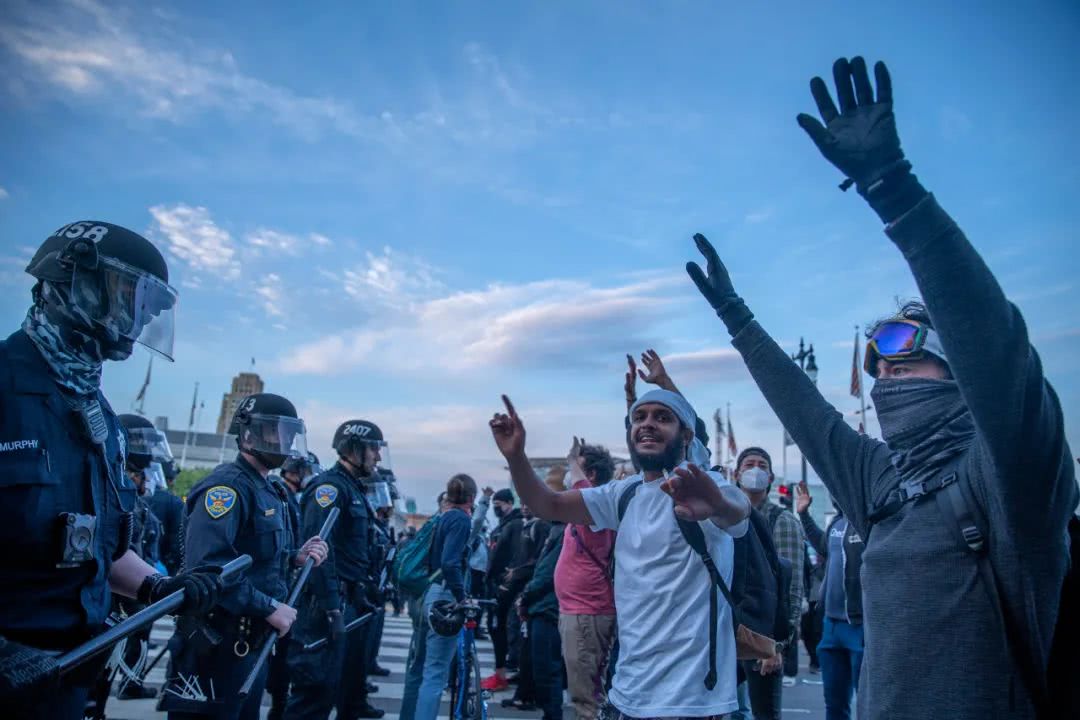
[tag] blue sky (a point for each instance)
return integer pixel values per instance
(401, 210)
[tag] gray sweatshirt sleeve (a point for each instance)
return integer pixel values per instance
(1017, 414)
(854, 467)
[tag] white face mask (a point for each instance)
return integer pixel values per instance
(754, 479)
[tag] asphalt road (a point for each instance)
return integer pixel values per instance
(801, 702)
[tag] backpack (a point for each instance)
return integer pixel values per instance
(759, 608)
(411, 573)
(1057, 694)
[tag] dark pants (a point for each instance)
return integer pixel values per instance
(374, 641)
(499, 631)
(765, 691)
(66, 703)
(791, 656)
(810, 629)
(840, 654)
(277, 680)
(546, 649)
(354, 675)
(220, 672)
(526, 689)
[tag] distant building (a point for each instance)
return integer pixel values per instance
(244, 384)
(203, 450)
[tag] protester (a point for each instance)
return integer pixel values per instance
(967, 418)
(840, 652)
(753, 473)
(504, 543)
(478, 552)
(813, 615)
(662, 591)
(541, 609)
(434, 651)
(534, 532)
(584, 587)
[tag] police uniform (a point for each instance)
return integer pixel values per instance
(65, 516)
(277, 682)
(343, 581)
(232, 512)
(169, 509)
(380, 549)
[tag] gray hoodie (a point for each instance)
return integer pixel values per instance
(933, 643)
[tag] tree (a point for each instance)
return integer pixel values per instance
(187, 479)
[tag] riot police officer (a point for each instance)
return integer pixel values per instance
(169, 509)
(342, 588)
(65, 500)
(378, 489)
(238, 510)
(295, 475)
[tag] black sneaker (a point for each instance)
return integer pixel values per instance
(367, 710)
(136, 691)
(371, 688)
(379, 671)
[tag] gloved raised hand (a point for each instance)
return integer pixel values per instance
(26, 672)
(860, 137)
(717, 288)
(201, 587)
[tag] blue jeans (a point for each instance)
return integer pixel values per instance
(840, 656)
(438, 652)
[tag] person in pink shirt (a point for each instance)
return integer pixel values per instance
(583, 587)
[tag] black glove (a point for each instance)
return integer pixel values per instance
(861, 140)
(26, 671)
(717, 288)
(336, 620)
(362, 595)
(201, 587)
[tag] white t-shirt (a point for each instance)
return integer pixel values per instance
(662, 601)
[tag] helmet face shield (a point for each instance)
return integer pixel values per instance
(152, 442)
(155, 478)
(379, 494)
(128, 303)
(275, 435)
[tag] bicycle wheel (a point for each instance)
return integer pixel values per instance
(479, 705)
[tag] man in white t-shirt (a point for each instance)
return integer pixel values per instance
(662, 587)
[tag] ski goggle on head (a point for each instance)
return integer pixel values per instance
(901, 340)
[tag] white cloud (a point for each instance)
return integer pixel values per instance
(265, 240)
(712, 364)
(193, 237)
(320, 239)
(391, 278)
(758, 216)
(534, 324)
(3, 194)
(271, 293)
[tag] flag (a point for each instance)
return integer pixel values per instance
(856, 371)
(146, 384)
(194, 402)
(732, 448)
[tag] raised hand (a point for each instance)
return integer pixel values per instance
(508, 431)
(860, 137)
(696, 495)
(630, 386)
(716, 285)
(802, 497)
(657, 374)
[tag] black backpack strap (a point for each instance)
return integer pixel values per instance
(626, 497)
(695, 538)
(909, 491)
(963, 514)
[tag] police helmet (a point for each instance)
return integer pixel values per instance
(352, 435)
(267, 426)
(446, 618)
(147, 449)
(115, 281)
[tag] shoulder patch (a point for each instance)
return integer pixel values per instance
(325, 495)
(219, 500)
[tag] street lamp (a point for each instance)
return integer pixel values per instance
(808, 363)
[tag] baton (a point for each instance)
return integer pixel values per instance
(321, 642)
(294, 595)
(142, 619)
(154, 662)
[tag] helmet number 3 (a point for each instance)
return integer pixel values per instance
(83, 230)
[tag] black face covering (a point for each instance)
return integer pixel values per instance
(924, 421)
(270, 461)
(499, 512)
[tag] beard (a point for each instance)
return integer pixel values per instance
(666, 459)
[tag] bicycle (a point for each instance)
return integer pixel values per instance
(467, 700)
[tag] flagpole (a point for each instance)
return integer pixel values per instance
(140, 399)
(191, 423)
(718, 426)
(783, 444)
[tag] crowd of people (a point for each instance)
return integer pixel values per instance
(673, 588)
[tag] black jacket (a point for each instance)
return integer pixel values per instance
(504, 541)
(852, 560)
